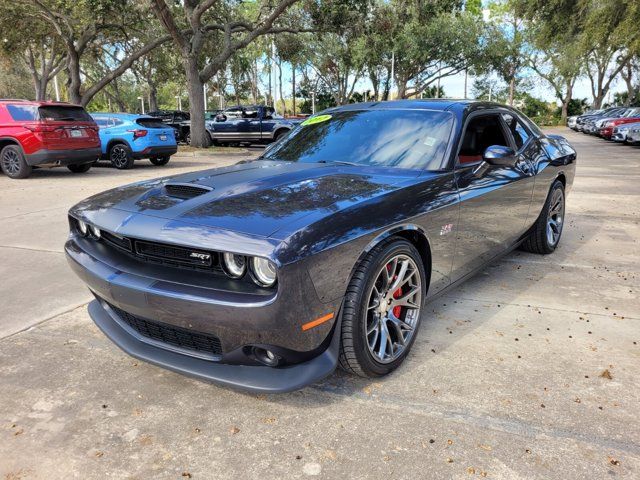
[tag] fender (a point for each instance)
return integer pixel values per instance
(116, 140)
(423, 246)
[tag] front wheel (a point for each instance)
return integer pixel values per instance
(381, 310)
(545, 234)
(159, 161)
(82, 168)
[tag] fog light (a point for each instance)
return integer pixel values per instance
(267, 357)
(95, 231)
(82, 226)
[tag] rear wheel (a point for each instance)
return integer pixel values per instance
(159, 161)
(381, 310)
(13, 163)
(82, 168)
(545, 234)
(120, 156)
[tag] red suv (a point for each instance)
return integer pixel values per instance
(46, 134)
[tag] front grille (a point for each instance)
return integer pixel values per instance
(171, 335)
(185, 192)
(173, 254)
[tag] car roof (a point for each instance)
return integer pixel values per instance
(442, 104)
(125, 116)
(40, 103)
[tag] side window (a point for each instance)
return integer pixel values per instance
(480, 133)
(101, 122)
(23, 112)
(518, 130)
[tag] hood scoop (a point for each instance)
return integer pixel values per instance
(185, 191)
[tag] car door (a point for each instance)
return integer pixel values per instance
(494, 200)
(228, 124)
(267, 123)
(254, 126)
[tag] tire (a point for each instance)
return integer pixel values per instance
(13, 163)
(81, 168)
(159, 161)
(120, 156)
(187, 137)
(362, 306)
(545, 234)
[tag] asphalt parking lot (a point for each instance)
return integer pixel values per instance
(529, 370)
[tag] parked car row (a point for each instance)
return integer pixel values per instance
(51, 134)
(620, 124)
(239, 124)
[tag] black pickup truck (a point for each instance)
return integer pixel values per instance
(248, 124)
(179, 120)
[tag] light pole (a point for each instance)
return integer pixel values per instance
(179, 98)
(55, 84)
(142, 103)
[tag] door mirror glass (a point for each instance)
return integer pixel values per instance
(499, 155)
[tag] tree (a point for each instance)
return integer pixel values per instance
(558, 63)
(338, 63)
(507, 49)
(87, 26)
(38, 51)
(628, 73)
(606, 31)
(224, 27)
(431, 41)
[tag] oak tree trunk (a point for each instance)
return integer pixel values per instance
(199, 136)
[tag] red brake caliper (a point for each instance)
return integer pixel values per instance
(397, 311)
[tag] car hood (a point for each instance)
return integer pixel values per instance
(258, 198)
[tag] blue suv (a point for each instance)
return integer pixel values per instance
(126, 137)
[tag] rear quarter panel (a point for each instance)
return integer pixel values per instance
(559, 161)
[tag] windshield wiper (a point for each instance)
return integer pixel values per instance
(340, 162)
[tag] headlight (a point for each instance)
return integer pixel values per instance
(264, 271)
(95, 231)
(82, 226)
(234, 265)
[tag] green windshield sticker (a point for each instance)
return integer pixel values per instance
(314, 120)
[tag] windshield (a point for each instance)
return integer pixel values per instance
(386, 138)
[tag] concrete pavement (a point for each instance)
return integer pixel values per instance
(529, 370)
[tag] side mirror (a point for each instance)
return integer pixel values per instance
(220, 118)
(499, 155)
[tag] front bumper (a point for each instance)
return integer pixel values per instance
(633, 137)
(158, 151)
(619, 136)
(203, 304)
(606, 133)
(260, 379)
(63, 157)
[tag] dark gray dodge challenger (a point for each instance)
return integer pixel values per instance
(268, 274)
